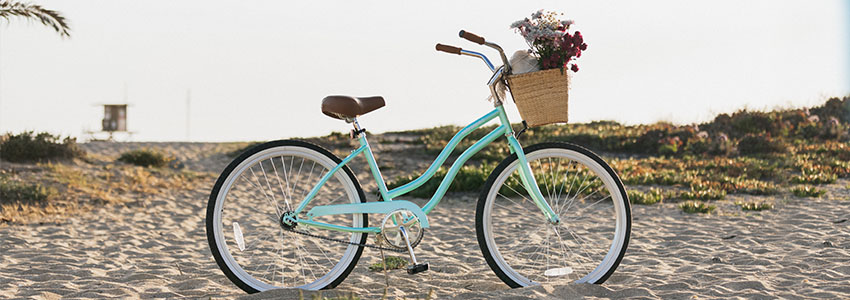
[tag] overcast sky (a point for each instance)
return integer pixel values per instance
(258, 70)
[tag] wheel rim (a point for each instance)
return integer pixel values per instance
(586, 242)
(254, 195)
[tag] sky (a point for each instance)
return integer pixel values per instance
(258, 70)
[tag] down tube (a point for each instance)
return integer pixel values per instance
(450, 175)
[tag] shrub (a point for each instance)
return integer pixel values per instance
(754, 206)
(706, 194)
(145, 158)
(807, 191)
(468, 179)
(834, 107)
(815, 178)
(649, 141)
(12, 191)
(730, 185)
(752, 122)
(29, 147)
(721, 145)
(651, 197)
(696, 207)
(660, 177)
(392, 262)
(669, 145)
(697, 146)
(755, 144)
(808, 130)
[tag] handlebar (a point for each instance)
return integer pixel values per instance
(469, 36)
(449, 49)
(481, 41)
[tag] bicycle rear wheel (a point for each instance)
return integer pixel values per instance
(524, 249)
(244, 229)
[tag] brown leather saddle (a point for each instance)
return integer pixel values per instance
(346, 107)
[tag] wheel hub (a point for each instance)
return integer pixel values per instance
(287, 220)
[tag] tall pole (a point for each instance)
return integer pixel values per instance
(188, 106)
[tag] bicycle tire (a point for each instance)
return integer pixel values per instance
(223, 249)
(496, 246)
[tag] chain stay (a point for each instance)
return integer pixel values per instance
(343, 241)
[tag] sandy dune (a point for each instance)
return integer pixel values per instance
(158, 249)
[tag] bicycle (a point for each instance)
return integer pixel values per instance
(551, 212)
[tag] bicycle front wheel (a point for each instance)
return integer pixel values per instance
(251, 245)
(523, 248)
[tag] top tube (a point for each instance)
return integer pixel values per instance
(441, 158)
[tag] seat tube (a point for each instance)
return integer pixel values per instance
(373, 165)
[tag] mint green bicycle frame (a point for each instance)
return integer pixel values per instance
(388, 205)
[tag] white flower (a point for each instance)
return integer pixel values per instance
(537, 14)
(517, 24)
(814, 119)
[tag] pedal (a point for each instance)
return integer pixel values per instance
(416, 268)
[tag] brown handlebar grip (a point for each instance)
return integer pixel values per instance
(449, 49)
(471, 37)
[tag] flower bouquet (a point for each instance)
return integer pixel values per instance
(540, 88)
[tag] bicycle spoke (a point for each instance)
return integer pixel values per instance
(272, 256)
(569, 250)
(268, 184)
(280, 184)
(260, 186)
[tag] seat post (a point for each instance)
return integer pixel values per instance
(357, 129)
(355, 124)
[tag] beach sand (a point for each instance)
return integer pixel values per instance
(157, 248)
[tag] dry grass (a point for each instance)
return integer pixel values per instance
(81, 186)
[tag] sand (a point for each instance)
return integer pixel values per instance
(158, 249)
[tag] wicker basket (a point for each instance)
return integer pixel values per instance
(541, 96)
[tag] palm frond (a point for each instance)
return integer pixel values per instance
(50, 18)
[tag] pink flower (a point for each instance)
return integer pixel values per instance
(574, 68)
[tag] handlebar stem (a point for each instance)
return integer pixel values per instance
(502, 54)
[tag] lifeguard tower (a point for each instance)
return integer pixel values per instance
(114, 121)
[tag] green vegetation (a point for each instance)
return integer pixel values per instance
(31, 147)
(756, 144)
(746, 152)
(707, 194)
(814, 178)
(651, 197)
(807, 191)
(392, 262)
(145, 158)
(696, 207)
(754, 206)
(468, 179)
(15, 191)
(319, 296)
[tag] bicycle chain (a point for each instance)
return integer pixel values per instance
(343, 241)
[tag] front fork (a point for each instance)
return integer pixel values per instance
(530, 182)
